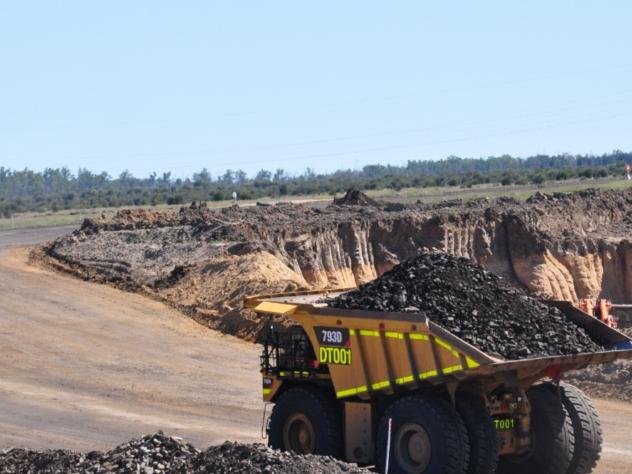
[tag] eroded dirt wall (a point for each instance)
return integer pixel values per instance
(563, 246)
(349, 254)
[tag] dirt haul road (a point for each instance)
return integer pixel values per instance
(85, 366)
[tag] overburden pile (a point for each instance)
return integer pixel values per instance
(355, 197)
(472, 303)
(158, 453)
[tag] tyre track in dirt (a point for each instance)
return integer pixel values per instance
(616, 421)
(85, 366)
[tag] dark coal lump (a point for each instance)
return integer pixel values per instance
(158, 453)
(472, 303)
(155, 453)
(257, 458)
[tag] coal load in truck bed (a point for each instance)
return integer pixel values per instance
(473, 304)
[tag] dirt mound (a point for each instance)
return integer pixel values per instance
(560, 246)
(165, 454)
(152, 453)
(472, 303)
(256, 458)
(355, 197)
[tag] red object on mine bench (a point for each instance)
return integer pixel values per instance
(600, 310)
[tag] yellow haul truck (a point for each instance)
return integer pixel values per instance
(397, 391)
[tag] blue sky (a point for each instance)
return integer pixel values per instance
(178, 86)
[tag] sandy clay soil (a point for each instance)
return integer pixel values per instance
(561, 246)
(85, 366)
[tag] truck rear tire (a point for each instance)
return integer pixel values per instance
(586, 427)
(427, 437)
(552, 437)
(306, 421)
(481, 432)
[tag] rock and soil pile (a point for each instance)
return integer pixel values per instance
(355, 197)
(473, 304)
(154, 454)
(257, 458)
(204, 261)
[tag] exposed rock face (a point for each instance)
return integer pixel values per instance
(567, 246)
(561, 246)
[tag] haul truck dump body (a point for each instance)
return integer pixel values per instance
(366, 360)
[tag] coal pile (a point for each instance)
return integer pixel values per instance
(473, 304)
(151, 454)
(158, 453)
(257, 458)
(355, 197)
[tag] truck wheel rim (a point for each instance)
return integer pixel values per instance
(299, 436)
(412, 448)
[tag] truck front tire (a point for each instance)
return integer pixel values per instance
(481, 432)
(306, 421)
(586, 428)
(427, 437)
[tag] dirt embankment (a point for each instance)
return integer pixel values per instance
(561, 246)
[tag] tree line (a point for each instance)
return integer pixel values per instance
(57, 189)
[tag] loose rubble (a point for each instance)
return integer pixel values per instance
(151, 454)
(560, 246)
(607, 381)
(158, 453)
(256, 458)
(355, 197)
(472, 303)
